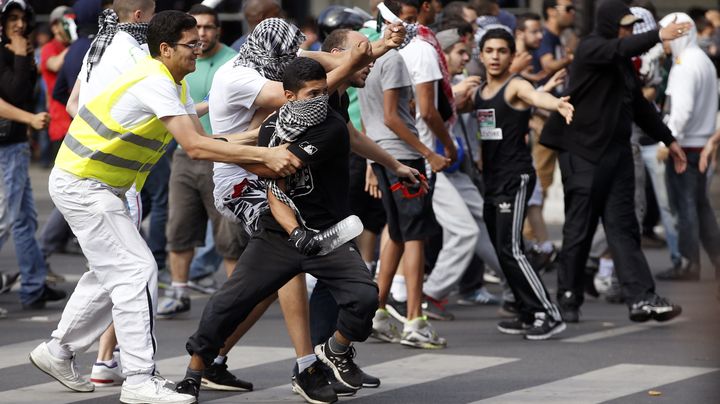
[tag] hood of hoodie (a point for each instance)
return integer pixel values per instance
(608, 16)
(690, 40)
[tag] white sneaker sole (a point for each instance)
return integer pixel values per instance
(206, 384)
(298, 390)
(395, 314)
(39, 365)
(140, 400)
(422, 345)
(560, 328)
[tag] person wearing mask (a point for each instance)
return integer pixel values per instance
(596, 160)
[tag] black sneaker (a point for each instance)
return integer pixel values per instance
(513, 327)
(217, 377)
(7, 281)
(188, 386)
(342, 365)
(48, 295)
(656, 308)
(313, 386)
(396, 309)
(340, 389)
(508, 310)
(369, 381)
(544, 327)
(569, 308)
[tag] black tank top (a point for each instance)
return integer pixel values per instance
(505, 154)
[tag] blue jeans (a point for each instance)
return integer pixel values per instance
(696, 219)
(155, 203)
(667, 214)
(206, 260)
(14, 162)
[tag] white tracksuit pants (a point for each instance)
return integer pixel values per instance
(458, 208)
(121, 285)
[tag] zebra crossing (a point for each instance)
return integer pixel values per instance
(420, 370)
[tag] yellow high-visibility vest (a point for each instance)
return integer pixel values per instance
(99, 147)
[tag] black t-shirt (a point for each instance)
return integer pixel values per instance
(320, 188)
(340, 104)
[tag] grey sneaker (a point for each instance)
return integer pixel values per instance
(173, 305)
(383, 327)
(419, 333)
(62, 370)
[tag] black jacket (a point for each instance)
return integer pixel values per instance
(600, 77)
(17, 84)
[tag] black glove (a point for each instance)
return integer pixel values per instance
(302, 240)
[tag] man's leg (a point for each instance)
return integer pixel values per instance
(55, 234)
(667, 214)
(581, 220)
(682, 190)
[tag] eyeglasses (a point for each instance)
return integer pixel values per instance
(192, 46)
(568, 8)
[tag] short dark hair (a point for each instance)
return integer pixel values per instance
(396, 5)
(498, 33)
(547, 4)
(463, 27)
(168, 26)
(300, 71)
(454, 9)
(522, 18)
(336, 39)
(199, 9)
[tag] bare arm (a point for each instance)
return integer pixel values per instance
(365, 147)
(550, 64)
(425, 98)
(202, 108)
(282, 213)
(13, 113)
(72, 105)
(393, 121)
(54, 63)
(199, 147)
(527, 94)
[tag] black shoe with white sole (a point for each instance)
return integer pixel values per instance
(544, 327)
(313, 386)
(369, 381)
(513, 327)
(342, 365)
(217, 377)
(655, 308)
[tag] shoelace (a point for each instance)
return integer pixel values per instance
(347, 364)
(160, 385)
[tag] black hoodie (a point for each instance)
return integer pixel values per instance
(17, 80)
(605, 91)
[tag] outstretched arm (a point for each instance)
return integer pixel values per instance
(526, 93)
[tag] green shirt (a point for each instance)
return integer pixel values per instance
(354, 107)
(201, 79)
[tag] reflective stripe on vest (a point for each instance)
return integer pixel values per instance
(99, 147)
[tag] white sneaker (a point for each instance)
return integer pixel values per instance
(602, 283)
(173, 304)
(383, 327)
(153, 391)
(419, 333)
(103, 375)
(62, 370)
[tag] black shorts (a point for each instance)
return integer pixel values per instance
(409, 212)
(370, 210)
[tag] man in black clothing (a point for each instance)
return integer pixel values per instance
(596, 160)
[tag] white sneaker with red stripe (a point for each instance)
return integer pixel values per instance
(103, 375)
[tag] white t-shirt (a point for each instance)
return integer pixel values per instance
(424, 66)
(154, 96)
(231, 108)
(121, 55)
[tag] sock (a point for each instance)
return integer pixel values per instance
(398, 288)
(109, 363)
(606, 267)
(220, 360)
(337, 347)
(546, 246)
(305, 362)
(58, 350)
(179, 288)
(134, 380)
(193, 374)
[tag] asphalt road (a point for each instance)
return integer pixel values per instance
(605, 358)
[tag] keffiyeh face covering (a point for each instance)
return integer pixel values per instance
(270, 47)
(411, 30)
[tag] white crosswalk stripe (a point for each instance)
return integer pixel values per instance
(600, 385)
(617, 331)
(396, 374)
(171, 368)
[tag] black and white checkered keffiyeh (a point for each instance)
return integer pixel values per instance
(270, 47)
(294, 118)
(108, 26)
